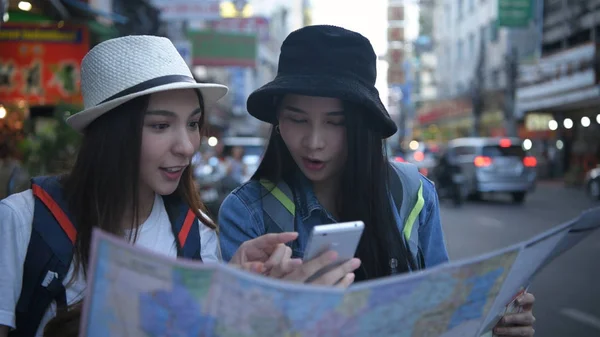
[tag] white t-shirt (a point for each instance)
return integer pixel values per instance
(16, 218)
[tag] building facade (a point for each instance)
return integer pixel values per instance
(282, 18)
(465, 33)
(559, 94)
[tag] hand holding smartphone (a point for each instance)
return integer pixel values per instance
(343, 238)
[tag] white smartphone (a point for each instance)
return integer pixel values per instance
(341, 237)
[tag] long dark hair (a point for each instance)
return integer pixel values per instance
(104, 182)
(363, 193)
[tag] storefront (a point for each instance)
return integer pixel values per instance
(39, 78)
(558, 103)
(442, 121)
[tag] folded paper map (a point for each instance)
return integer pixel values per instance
(134, 292)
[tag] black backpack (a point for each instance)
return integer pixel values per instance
(51, 246)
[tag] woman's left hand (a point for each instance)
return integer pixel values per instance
(518, 324)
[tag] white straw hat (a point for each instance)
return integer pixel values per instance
(119, 70)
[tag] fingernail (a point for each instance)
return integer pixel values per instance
(332, 256)
(355, 263)
(258, 268)
(351, 277)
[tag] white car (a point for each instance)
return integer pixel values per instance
(495, 165)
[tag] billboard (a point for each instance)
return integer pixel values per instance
(178, 10)
(514, 13)
(41, 63)
(214, 48)
(254, 25)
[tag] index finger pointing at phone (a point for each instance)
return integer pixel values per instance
(273, 240)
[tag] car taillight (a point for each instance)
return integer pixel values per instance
(504, 142)
(530, 161)
(482, 161)
(419, 156)
(399, 159)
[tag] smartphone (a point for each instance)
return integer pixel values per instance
(341, 237)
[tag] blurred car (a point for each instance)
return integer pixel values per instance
(495, 165)
(423, 156)
(395, 154)
(253, 147)
(592, 183)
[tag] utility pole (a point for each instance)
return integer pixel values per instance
(511, 68)
(478, 88)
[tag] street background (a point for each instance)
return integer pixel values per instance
(447, 69)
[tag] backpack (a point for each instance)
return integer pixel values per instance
(51, 246)
(407, 192)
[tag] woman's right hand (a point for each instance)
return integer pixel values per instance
(280, 265)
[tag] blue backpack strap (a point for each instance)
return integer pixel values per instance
(407, 191)
(279, 210)
(186, 228)
(277, 196)
(48, 258)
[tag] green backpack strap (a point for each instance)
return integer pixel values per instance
(278, 195)
(406, 188)
(407, 191)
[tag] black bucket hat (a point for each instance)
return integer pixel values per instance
(326, 61)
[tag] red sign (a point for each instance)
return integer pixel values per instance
(40, 64)
(254, 25)
(396, 57)
(180, 10)
(395, 34)
(396, 12)
(436, 111)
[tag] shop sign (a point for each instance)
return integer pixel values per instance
(514, 13)
(446, 109)
(40, 64)
(179, 10)
(537, 121)
(254, 25)
(213, 48)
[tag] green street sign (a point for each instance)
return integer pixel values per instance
(514, 13)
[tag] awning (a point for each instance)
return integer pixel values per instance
(103, 32)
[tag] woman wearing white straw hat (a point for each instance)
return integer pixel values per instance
(141, 125)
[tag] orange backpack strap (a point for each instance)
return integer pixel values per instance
(185, 226)
(48, 258)
(58, 213)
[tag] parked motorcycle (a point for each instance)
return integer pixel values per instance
(449, 180)
(453, 189)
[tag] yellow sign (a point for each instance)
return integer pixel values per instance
(39, 35)
(229, 10)
(537, 121)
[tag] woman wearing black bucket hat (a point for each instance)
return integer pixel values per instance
(326, 163)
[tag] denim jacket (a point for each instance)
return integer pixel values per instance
(241, 219)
